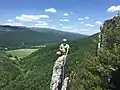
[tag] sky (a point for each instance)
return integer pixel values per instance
(78, 16)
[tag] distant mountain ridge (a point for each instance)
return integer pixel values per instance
(14, 35)
(6, 27)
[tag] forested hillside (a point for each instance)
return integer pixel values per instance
(38, 66)
(102, 72)
(9, 70)
(86, 70)
(13, 36)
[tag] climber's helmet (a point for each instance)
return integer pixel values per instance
(64, 41)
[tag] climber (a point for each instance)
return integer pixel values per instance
(64, 47)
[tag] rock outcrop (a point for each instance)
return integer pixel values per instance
(58, 82)
(65, 85)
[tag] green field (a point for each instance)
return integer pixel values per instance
(21, 52)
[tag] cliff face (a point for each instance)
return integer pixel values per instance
(111, 32)
(102, 72)
(110, 56)
(56, 81)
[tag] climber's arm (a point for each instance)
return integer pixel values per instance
(67, 50)
(60, 47)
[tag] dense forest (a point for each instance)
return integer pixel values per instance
(86, 70)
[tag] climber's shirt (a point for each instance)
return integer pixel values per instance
(63, 48)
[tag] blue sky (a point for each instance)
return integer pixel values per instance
(79, 16)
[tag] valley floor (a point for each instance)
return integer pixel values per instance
(21, 52)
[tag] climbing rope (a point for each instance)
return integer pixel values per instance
(63, 73)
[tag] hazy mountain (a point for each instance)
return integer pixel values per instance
(15, 36)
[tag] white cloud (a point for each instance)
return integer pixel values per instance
(42, 23)
(64, 20)
(99, 22)
(14, 24)
(53, 27)
(40, 26)
(53, 10)
(81, 22)
(114, 8)
(81, 29)
(24, 17)
(61, 24)
(43, 16)
(87, 17)
(81, 19)
(75, 29)
(9, 20)
(67, 27)
(89, 25)
(66, 14)
(71, 13)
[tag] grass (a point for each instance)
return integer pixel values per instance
(21, 52)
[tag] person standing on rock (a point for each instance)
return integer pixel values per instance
(64, 47)
(58, 69)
